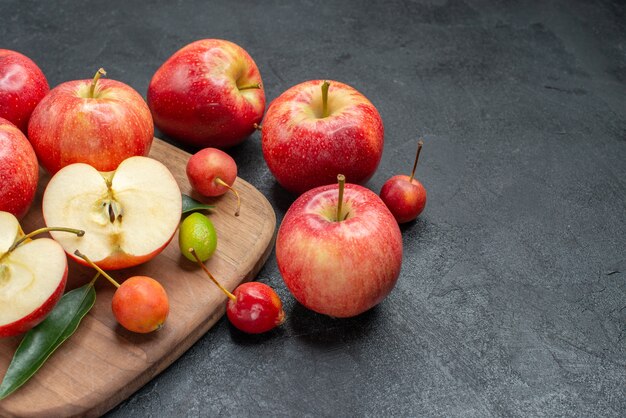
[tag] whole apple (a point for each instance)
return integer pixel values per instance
(97, 122)
(209, 93)
(33, 274)
(19, 171)
(339, 260)
(22, 86)
(315, 130)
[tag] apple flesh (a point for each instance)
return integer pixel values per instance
(32, 278)
(209, 93)
(129, 215)
(99, 126)
(22, 86)
(339, 265)
(19, 171)
(306, 148)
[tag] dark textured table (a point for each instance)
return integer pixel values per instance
(512, 296)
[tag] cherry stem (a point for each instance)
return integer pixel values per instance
(78, 232)
(92, 88)
(98, 269)
(417, 156)
(342, 181)
(325, 86)
(250, 86)
(206, 270)
(258, 127)
(223, 183)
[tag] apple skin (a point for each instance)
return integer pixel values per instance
(33, 319)
(208, 164)
(194, 96)
(69, 127)
(404, 197)
(303, 150)
(22, 86)
(342, 268)
(19, 170)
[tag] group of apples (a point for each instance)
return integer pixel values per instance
(339, 247)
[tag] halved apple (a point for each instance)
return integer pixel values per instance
(32, 277)
(129, 215)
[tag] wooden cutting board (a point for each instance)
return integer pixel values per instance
(102, 363)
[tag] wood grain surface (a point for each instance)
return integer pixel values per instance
(102, 364)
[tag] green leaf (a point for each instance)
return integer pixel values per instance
(40, 342)
(191, 205)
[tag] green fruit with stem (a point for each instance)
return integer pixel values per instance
(197, 231)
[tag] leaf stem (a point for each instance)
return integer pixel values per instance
(206, 270)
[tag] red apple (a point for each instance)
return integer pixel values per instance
(339, 259)
(19, 171)
(97, 122)
(212, 172)
(404, 195)
(33, 274)
(129, 215)
(22, 86)
(208, 93)
(314, 130)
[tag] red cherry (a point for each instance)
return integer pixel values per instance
(253, 307)
(256, 309)
(405, 196)
(212, 172)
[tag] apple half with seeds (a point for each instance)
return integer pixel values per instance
(129, 215)
(33, 274)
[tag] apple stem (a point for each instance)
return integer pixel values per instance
(325, 86)
(342, 181)
(98, 269)
(223, 183)
(258, 127)
(250, 86)
(78, 232)
(92, 88)
(417, 156)
(206, 270)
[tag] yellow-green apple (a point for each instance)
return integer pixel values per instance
(404, 195)
(339, 259)
(212, 172)
(19, 171)
(129, 215)
(209, 93)
(314, 131)
(96, 122)
(22, 86)
(33, 274)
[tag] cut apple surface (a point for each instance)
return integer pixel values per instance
(32, 278)
(129, 215)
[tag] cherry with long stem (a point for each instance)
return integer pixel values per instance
(420, 143)
(213, 279)
(232, 189)
(98, 269)
(78, 232)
